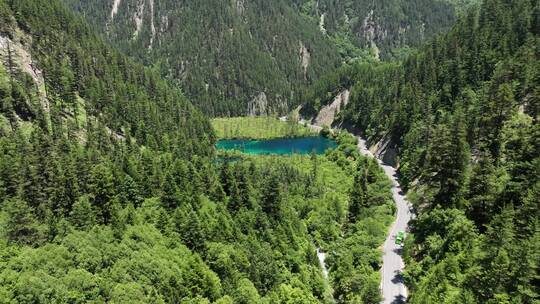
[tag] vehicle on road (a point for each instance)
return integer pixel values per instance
(400, 237)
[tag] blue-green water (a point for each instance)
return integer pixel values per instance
(283, 146)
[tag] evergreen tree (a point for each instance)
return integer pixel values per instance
(170, 198)
(358, 199)
(101, 185)
(22, 226)
(271, 196)
(82, 215)
(483, 191)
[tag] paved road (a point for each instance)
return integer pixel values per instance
(393, 289)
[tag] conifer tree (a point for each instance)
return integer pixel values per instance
(22, 227)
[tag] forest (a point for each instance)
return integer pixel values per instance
(463, 113)
(231, 57)
(256, 57)
(389, 29)
(111, 190)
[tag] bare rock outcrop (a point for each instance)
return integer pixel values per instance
(258, 105)
(328, 113)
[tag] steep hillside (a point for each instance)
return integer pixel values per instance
(232, 57)
(387, 28)
(256, 57)
(462, 114)
(70, 82)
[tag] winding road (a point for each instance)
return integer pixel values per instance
(393, 287)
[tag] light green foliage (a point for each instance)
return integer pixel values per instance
(265, 127)
(111, 221)
(99, 268)
(5, 127)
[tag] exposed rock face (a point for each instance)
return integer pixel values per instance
(240, 7)
(14, 55)
(138, 18)
(115, 6)
(321, 23)
(152, 26)
(385, 149)
(328, 113)
(305, 57)
(372, 32)
(258, 105)
(164, 24)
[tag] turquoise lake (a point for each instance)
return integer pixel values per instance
(283, 146)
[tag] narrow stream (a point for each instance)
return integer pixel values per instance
(322, 257)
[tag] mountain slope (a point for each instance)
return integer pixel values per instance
(110, 191)
(382, 26)
(256, 57)
(72, 80)
(231, 57)
(462, 115)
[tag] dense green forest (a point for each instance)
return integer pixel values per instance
(58, 75)
(463, 113)
(110, 190)
(387, 28)
(257, 57)
(231, 57)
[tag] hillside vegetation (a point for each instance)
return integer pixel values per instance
(386, 28)
(463, 114)
(231, 57)
(110, 192)
(257, 57)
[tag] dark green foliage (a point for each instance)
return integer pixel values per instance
(271, 196)
(388, 25)
(358, 196)
(223, 53)
(22, 226)
(447, 159)
(226, 53)
(463, 114)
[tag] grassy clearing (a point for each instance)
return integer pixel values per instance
(258, 128)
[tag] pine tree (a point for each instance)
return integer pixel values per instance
(358, 195)
(102, 187)
(447, 161)
(169, 197)
(227, 178)
(271, 196)
(82, 215)
(129, 192)
(483, 190)
(22, 227)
